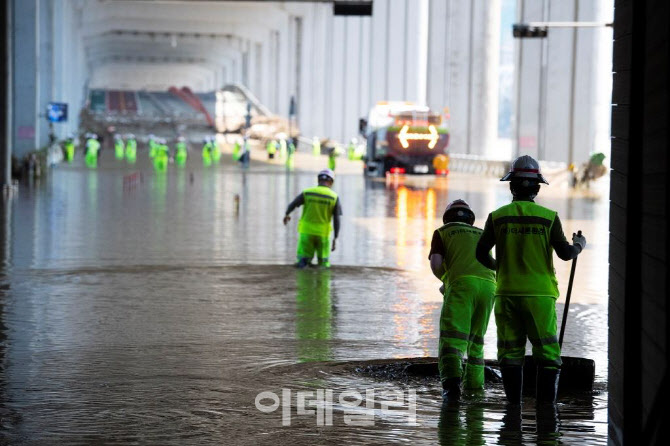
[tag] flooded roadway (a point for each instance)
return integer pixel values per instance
(152, 309)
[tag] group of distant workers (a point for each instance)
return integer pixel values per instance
(125, 147)
(284, 148)
(281, 147)
(519, 285)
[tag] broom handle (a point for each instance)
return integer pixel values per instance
(567, 298)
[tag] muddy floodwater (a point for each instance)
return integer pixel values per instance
(142, 307)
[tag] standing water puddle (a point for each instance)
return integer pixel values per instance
(157, 312)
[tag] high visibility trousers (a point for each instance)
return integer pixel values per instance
(309, 244)
(532, 317)
(466, 311)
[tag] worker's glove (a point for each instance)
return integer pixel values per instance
(579, 240)
(333, 247)
(287, 218)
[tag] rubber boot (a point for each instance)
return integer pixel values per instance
(547, 385)
(451, 389)
(302, 263)
(513, 383)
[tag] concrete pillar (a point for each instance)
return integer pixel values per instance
(6, 140)
(558, 115)
(396, 50)
(365, 63)
(483, 88)
(45, 69)
(463, 68)
(25, 68)
(350, 84)
(416, 51)
(336, 103)
(379, 52)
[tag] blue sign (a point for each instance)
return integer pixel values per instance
(57, 112)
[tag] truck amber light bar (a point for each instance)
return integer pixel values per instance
(404, 136)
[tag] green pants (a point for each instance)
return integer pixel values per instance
(309, 244)
(466, 311)
(521, 317)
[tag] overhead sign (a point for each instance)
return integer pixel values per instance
(352, 7)
(405, 136)
(57, 112)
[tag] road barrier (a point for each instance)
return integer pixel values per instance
(496, 168)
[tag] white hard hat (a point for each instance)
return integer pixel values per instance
(524, 167)
(327, 173)
(461, 208)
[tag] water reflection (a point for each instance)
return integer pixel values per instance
(461, 424)
(314, 315)
(5, 252)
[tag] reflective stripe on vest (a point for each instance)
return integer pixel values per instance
(523, 250)
(317, 211)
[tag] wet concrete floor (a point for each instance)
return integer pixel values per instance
(149, 308)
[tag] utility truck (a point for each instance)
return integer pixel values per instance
(404, 138)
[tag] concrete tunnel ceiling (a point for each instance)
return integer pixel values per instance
(137, 45)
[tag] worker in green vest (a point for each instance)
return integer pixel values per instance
(332, 155)
(119, 147)
(283, 148)
(351, 149)
(152, 146)
(92, 150)
(290, 159)
(321, 204)
(271, 148)
(162, 155)
(237, 150)
(181, 151)
(316, 146)
(216, 153)
(68, 149)
(206, 152)
(131, 149)
(525, 236)
(468, 300)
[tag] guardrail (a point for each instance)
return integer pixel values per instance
(477, 164)
(496, 168)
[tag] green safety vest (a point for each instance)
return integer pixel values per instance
(460, 242)
(271, 148)
(181, 146)
(92, 146)
(523, 250)
(317, 211)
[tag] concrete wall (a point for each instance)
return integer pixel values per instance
(638, 308)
